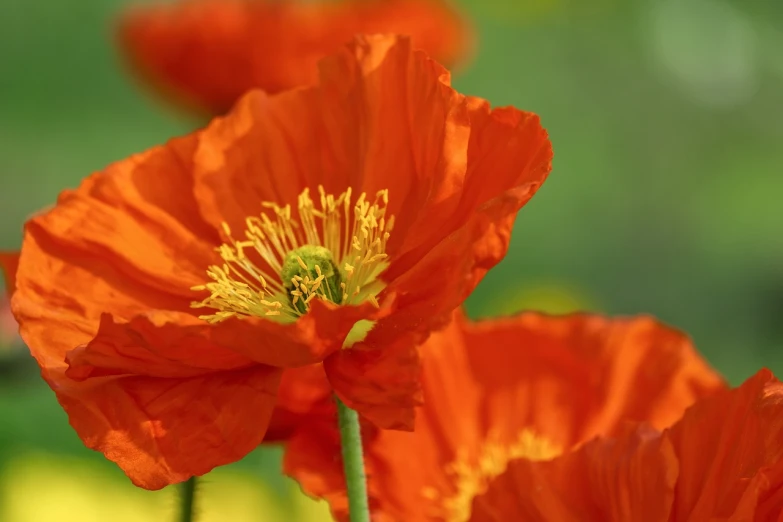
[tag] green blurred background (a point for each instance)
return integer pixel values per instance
(665, 198)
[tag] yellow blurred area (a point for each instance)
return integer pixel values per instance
(549, 297)
(43, 488)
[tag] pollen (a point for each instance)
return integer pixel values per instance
(287, 259)
(471, 474)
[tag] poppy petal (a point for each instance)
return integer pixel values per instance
(398, 126)
(383, 117)
(382, 385)
(162, 431)
(596, 482)
(627, 368)
(722, 461)
(313, 458)
(161, 252)
(728, 447)
(156, 344)
(305, 395)
(173, 344)
(110, 218)
(277, 139)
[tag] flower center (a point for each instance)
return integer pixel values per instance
(335, 253)
(470, 476)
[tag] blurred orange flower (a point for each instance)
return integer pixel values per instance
(9, 261)
(207, 53)
(9, 330)
(722, 461)
(167, 387)
(531, 386)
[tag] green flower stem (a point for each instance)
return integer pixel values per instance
(353, 462)
(188, 494)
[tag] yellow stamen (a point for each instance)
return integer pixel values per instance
(256, 279)
(471, 475)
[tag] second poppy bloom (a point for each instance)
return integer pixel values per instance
(340, 223)
(723, 460)
(207, 53)
(496, 391)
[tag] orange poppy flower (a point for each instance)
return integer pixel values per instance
(531, 386)
(9, 261)
(207, 53)
(9, 330)
(722, 461)
(164, 295)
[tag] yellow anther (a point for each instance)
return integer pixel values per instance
(348, 242)
(471, 472)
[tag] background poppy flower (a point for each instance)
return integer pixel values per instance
(9, 330)
(207, 53)
(531, 386)
(167, 353)
(722, 461)
(9, 261)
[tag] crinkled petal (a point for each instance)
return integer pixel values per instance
(509, 156)
(383, 385)
(305, 396)
(162, 431)
(598, 482)
(594, 372)
(729, 446)
(383, 117)
(156, 344)
(127, 241)
(396, 124)
(722, 461)
(172, 344)
(313, 458)
(266, 150)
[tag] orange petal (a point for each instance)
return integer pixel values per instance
(122, 241)
(395, 122)
(304, 388)
(305, 395)
(613, 370)
(174, 344)
(162, 431)
(509, 156)
(206, 54)
(729, 447)
(358, 125)
(313, 458)
(381, 384)
(442, 279)
(9, 263)
(722, 461)
(598, 482)
(264, 136)
(157, 344)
